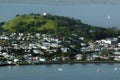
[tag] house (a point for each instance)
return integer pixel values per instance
(117, 58)
(118, 44)
(32, 45)
(104, 57)
(9, 62)
(4, 37)
(54, 45)
(85, 49)
(4, 53)
(35, 59)
(54, 59)
(28, 56)
(81, 38)
(83, 44)
(16, 60)
(37, 35)
(117, 49)
(89, 58)
(79, 56)
(95, 56)
(43, 47)
(38, 52)
(1, 48)
(42, 59)
(97, 49)
(106, 41)
(110, 41)
(116, 53)
(64, 50)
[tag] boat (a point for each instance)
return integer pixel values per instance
(60, 69)
(115, 68)
(108, 17)
(98, 70)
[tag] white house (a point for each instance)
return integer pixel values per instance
(116, 53)
(42, 59)
(4, 37)
(117, 58)
(16, 60)
(64, 49)
(118, 44)
(106, 41)
(81, 38)
(43, 47)
(54, 45)
(78, 56)
(83, 44)
(1, 48)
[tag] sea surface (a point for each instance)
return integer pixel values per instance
(61, 72)
(103, 14)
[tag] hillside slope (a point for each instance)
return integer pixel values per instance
(56, 25)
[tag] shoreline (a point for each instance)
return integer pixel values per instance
(66, 62)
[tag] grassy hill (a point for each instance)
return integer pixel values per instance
(57, 25)
(28, 23)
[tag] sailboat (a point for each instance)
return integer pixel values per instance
(98, 69)
(115, 68)
(60, 69)
(108, 16)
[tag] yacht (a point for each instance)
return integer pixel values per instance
(60, 69)
(108, 17)
(98, 70)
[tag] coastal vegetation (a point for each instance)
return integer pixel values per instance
(36, 38)
(56, 25)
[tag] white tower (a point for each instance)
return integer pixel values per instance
(44, 14)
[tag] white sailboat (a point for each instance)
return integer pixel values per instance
(60, 69)
(108, 16)
(115, 68)
(98, 69)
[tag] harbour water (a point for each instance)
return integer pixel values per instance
(61, 72)
(105, 14)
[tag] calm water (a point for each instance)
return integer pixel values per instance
(93, 14)
(69, 72)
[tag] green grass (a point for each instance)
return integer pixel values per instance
(49, 25)
(10, 25)
(57, 25)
